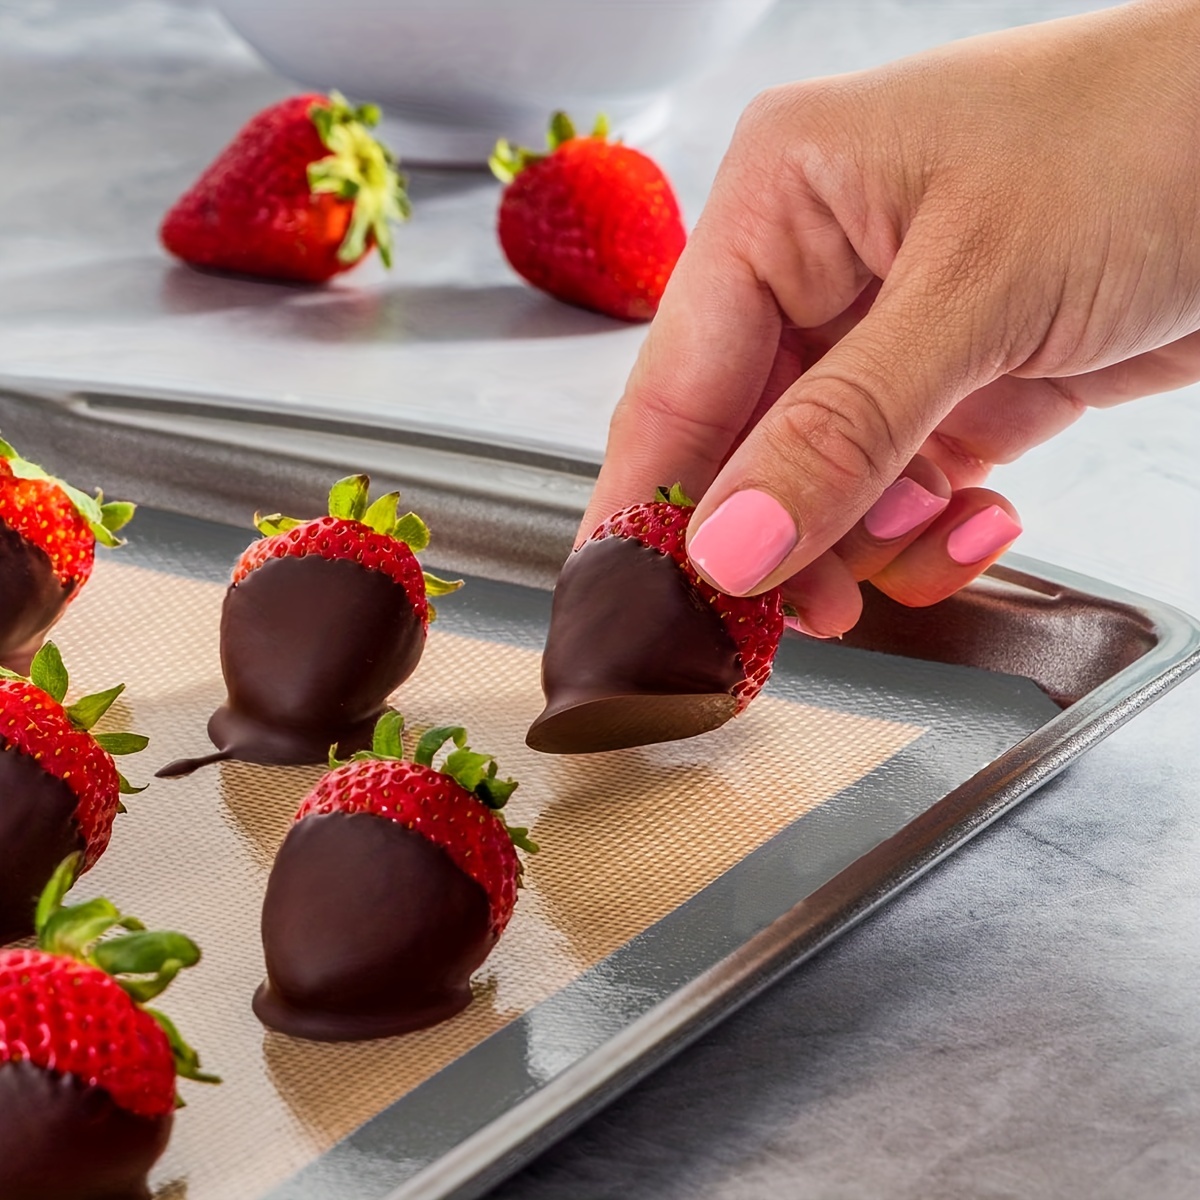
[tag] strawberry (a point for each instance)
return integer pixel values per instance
(391, 888)
(637, 653)
(48, 536)
(301, 193)
(755, 623)
(592, 222)
(322, 621)
(59, 786)
(87, 1073)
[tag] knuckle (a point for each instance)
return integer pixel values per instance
(847, 428)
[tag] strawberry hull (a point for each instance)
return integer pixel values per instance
(38, 829)
(369, 930)
(634, 655)
(31, 599)
(63, 1140)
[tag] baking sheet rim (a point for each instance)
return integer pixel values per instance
(484, 1159)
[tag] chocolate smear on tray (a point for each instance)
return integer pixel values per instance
(38, 829)
(634, 654)
(369, 930)
(311, 648)
(63, 1140)
(31, 599)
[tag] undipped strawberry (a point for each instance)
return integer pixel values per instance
(303, 192)
(87, 1072)
(391, 888)
(641, 649)
(592, 222)
(48, 536)
(59, 787)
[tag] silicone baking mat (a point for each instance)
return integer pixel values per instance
(655, 863)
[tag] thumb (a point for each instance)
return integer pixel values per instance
(825, 451)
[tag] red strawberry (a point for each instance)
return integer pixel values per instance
(48, 536)
(59, 786)
(322, 621)
(301, 193)
(638, 653)
(391, 888)
(592, 222)
(87, 1074)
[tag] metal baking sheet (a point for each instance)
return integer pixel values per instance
(673, 884)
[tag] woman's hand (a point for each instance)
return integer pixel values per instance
(905, 276)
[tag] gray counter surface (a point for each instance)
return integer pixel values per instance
(1021, 1023)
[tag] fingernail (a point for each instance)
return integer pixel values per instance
(901, 508)
(743, 541)
(981, 535)
(800, 627)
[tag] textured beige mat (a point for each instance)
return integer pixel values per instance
(626, 837)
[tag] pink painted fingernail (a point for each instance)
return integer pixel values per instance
(901, 508)
(743, 541)
(981, 535)
(800, 627)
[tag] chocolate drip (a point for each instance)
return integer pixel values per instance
(369, 931)
(31, 599)
(311, 648)
(634, 654)
(63, 1140)
(38, 829)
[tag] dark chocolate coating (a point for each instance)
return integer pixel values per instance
(634, 654)
(369, 931)
(31, 599)
(38, 830)
(63, 1140)
(311, 648)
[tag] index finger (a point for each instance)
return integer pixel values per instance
(766, 249)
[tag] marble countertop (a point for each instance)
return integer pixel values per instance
(1021, 1023)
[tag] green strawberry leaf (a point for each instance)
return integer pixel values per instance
(116, 514)
(601, 128)
(467, 768)
(84, 713)
(440, 587)
(521, 839)
(61, 882)
(72, 931)
(274, 523)
(187, 1061)
(145, 953)
(381, 516)
(388, 738)
(434, 739)
(562, 129)
(348, 497)
(412, 531)
(121, 743)
(126, 788)
(48, 673)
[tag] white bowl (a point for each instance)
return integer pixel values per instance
(452, 76)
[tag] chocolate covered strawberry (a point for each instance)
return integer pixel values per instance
(390, 889)
(48, 536)
(640, 648)
(59, 786)
(303, 192)
(592, 221)
(87, 1072)
(322, 621)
